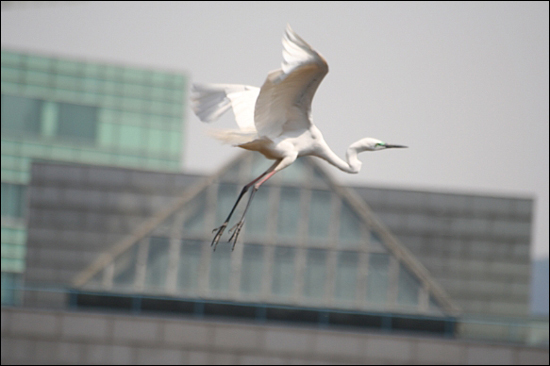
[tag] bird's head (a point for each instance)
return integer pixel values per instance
(371, 144)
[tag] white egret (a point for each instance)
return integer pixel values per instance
(275, 119)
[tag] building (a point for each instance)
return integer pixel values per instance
(476, 246)
(79, 111)
(107, 261)
(315, 277)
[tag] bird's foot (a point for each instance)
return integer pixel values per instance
(218, 235)
(235, 230)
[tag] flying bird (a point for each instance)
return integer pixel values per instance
(275, 119)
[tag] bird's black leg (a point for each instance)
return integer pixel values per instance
(219, 230)
(224, 225)
(237, 228)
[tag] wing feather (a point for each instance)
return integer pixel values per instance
(210, 101)
(284, 101)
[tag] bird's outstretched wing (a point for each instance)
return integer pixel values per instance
(285, 98)
(210, 101)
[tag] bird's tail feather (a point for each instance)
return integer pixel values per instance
(233, 137)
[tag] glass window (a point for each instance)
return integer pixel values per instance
(189, 265)
(346, 275)
(195, 221)
(77, 122)
(220, 268)
(283, 271)
(157, 262)
(319, 214)
(350, 226)
(130, 137)
(13, 200)
(252, 269)
(289, 213)
(157, 140)
(409, 287)
(108, 134)
(257, 216)
(11, 295)
(378, 278)
(125, 269)
(315, 273)
(376, 243)
(21, 116)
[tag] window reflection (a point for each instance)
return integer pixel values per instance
(319, 214)
(125, 269)
(252, 269)
(195, 222)
(20, 115)
(189, 265)
(346, 275)
(283, 271)
(315, 273)
(77, 121)
(350, 226)
(220, 268)
(409, 287)
(378, 278)
(289, 213)
(157, 262)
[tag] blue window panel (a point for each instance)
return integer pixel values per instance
(319, 214)
(288, 218)
(13, 200)
(21, 116)
(77, 122)
(315, 273)
(189, 264)
(408, 287)
(220, 268)
(252, 269)
(283, 271)
(346, 275)
(378, 278)
(350, 227)
(157, 263)
(125, 269)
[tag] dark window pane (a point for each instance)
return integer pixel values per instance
(378, 278)
(283, 271)
(346, 275)
(289, 212)
(319, 214)
(252, 269)
(315, 274)
(77, 121)
(21, 116)
(220, 268)
(188, 270)
(157, 262)
(13, 200)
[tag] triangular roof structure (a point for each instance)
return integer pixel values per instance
(307, 241)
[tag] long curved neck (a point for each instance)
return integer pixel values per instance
(352, 164)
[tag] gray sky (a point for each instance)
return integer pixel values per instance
(465, 85)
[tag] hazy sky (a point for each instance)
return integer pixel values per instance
(465, 85)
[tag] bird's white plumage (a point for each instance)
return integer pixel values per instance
(210, 101)
(282, 104)
(275, 119)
